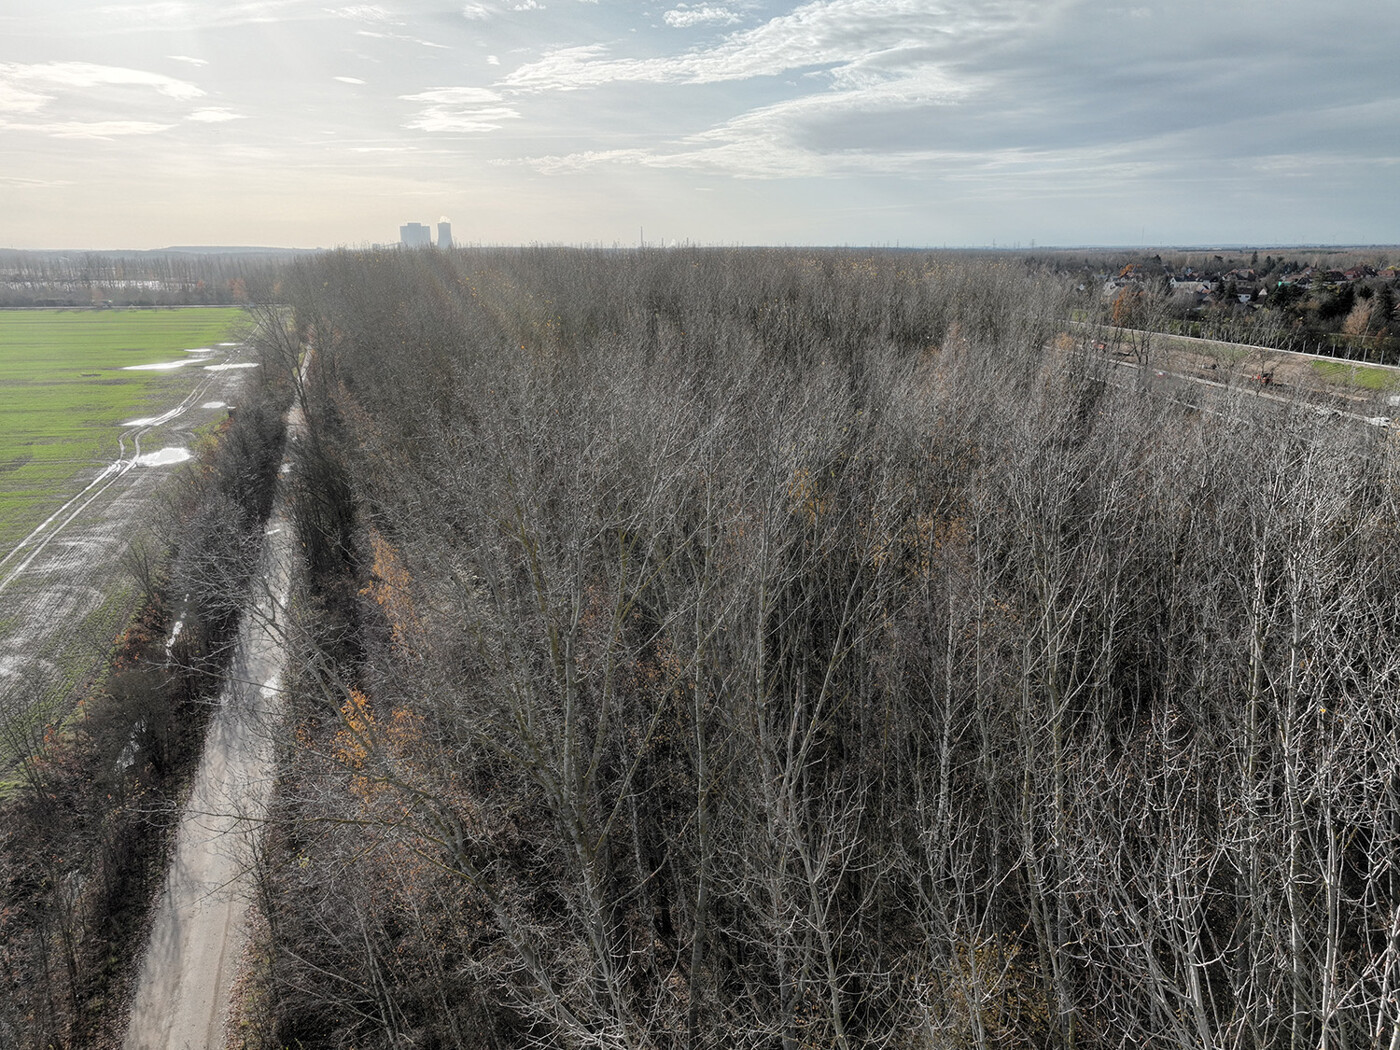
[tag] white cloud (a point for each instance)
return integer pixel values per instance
(71, 94)
(492, 60)
(784, 140)
(98, 129)
(61, 75)
(829, 34)
(348, 80)
(685, 17)
(16, 99)
(366, 13)
(155, 12)
(214, 115)
(567, 68)
(19, 183)
(867, 63)
(459, 110)
(481, 12)
(188, 60)
(174, 14)
(989, 175)
(566, 164)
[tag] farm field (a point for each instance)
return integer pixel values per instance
(90, 432)
(70, 379)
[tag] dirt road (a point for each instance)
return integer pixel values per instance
(199, 928)
(200, 925)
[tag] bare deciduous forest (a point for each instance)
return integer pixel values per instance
(787, 649)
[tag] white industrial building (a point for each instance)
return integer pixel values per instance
(415, 235)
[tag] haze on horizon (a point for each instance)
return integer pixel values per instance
(298, 123)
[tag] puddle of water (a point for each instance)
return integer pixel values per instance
(230, 344)
(214, 404)
(201, 350)
(160, 366)
(164, 457)
(228, 368)
(149, 421)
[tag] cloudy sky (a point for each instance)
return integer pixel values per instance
(917, 122)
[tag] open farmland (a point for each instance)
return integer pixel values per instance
(95, 409)
(67, 384)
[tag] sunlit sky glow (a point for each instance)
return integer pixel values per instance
(918, 122)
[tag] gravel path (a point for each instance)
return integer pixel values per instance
(200, 925)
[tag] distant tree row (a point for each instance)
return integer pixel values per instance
(95, 279)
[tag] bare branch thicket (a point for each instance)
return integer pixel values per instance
(783, 649)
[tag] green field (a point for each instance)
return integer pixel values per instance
(1366, 377)
(64, 394)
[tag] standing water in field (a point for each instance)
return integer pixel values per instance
(164, 457)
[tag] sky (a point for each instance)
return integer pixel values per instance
(298, 123)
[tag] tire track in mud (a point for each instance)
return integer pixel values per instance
(51, 527)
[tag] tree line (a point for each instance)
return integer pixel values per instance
(137, 279)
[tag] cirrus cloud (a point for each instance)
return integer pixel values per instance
(684, 17)
(831, 35)
(214, 115)
(91, 129)
(85, 100)
(366, 13)
(465, 110)
(80, 75)
(16, 99)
